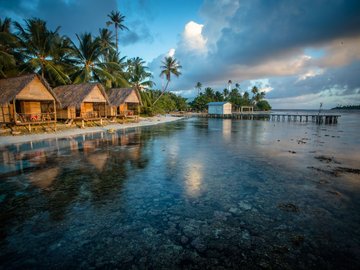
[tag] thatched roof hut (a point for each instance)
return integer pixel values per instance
(76, 94)
(10, 88)
(27, 99)
(123, 101)
(119, 96)
(86, 100)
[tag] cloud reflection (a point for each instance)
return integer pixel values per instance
(194, 178)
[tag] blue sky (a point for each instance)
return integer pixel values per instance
(300, 52)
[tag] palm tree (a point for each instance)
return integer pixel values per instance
(226, 93)
(117, 20)
(229, 84)
(255, 92)
(7, 44)
(62, 59)
(246, 96)
(105, 40)
(139, 77)
(116, 66)
(87, 56)
(262, 95)
(38, 45)
(209, 93)
(170, 66)
(218, 96)
(198, 87)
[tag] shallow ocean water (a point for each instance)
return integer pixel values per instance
(196, 193)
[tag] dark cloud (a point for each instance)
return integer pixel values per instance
(264, 29)
(263, 39)
(343, 78)
(74, 16)
(138, 32)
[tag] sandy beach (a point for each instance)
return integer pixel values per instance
(6, 140)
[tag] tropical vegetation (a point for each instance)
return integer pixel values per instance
(31, 47)
(232, 95)
(346, 107)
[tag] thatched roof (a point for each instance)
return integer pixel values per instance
(74, 94)
(11, 87)
(118, 96)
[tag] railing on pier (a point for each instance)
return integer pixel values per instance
(315, 118)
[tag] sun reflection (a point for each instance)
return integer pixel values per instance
(194, 179)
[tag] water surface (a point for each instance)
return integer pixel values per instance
(196, 193)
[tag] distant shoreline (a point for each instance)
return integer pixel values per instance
(346, 108)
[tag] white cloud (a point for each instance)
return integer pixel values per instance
(310, 74)
(262, 84)
(171, 52)
(217, 15)
(192, 38)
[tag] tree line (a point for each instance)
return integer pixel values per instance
(232, 95)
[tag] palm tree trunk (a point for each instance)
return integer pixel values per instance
(42, 71)
(167, 83)
(116, 37)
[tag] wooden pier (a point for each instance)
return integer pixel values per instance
(315, 118)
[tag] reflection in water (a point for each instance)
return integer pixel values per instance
(194, 178)
(98, 160)
(43, 178)
(198, 193)
(226, 129)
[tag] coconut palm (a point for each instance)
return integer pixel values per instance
(117, 68)
(62, 59)
(198, 87)
(254, 90)
(139, 77)
(7, 44)
(87, 56)
(256, 96)
(246, 99)
(117, 20)
(229, 84)
(37, 45)
(105, 40)
(209, 92)
(226, 93)
(170, 66)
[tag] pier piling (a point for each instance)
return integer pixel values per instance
(318, 118)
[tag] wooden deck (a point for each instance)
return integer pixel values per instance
(315, 118)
